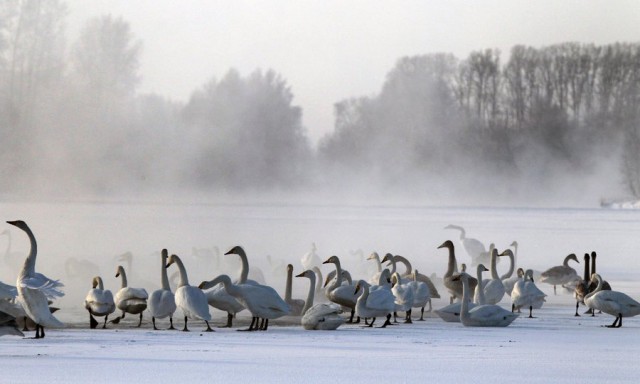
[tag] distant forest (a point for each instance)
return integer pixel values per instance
(441, 128)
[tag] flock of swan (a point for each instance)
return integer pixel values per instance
(473, 300)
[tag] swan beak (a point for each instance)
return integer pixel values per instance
(326, 281)
(327, 261)
(301, 275)
(169, 264)
(201, 285)
(443, 245)
(117, 274)
(357, 289)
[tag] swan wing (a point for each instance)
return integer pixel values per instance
(7, 291)
(128, 293)
(44, 284)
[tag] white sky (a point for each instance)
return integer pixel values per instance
(334, 49)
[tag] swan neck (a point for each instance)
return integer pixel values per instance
(376, 258)
(244, 271)
(494, 270)
(319, 279)
(598, 289)
(123, 278)
(451, 266)
(480, 288)
(184, 280)
(512, 266)
(29, 267)
(464, 305)
(163, 274)
(287, 290)
(593, 264)
(99, 284)
(406, 263)
(310, 296)
(338, 281)
(587, 275)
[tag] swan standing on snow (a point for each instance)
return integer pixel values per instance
(262, 301)
(408, 274)
(129, 300)
(338, 293)
(403, 294)
(162, 302)
(582, 287)
(382, 304)
(34, 288)
(421, 294)
(561, 274)
(613, 303)
(493, 288)
(487, 315)
(451, 313)
(526, 294)
(319, 316)
(99, 302)
(191, 300)
(454, 286)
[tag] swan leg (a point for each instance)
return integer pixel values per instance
(615, 322)
(229, 320)
(531, 312)
(387, 322)
(421, 314)
(253, 320)
(264, 325)
(171, 323)
(373, 319)
(353, 311)
(357, 320)
(430, 307)
(366, 322)
(577, 304)
(185, 325)
(208, 327)
(104, 326)
(153, 320)
(25, 328)
(554, 290)
(93, 323)
(589, 312)
(395, 316)
(619, 323)
(140, 322)
(408, 318)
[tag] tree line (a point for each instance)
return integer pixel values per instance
(72, 120)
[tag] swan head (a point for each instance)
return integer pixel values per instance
(361, 284)
(289, 268)
(586, 257)
(373, 256)
(95, 282)
(395, 278)
(514, 244)
(172, 259)
(520, 272)
(306, 273)
(332, 260)
(237, 250)
(164, 254)
(593, 254)
(460, 276)
(119, 270)
(387, 258)
(506, 252)
(528, 274)
(573, 257)
(482, 268)
(447, 244)
(19, 223)
(463, 267)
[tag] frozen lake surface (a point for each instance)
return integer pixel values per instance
(554, 347)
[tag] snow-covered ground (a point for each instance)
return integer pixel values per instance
(554, 347)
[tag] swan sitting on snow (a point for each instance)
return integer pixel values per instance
(99, 302)
(343, 295)
(34, 288)
(487, 315)
(493, 288)
(128, 299)
(191, 300)
(613, 303)
(162, 302)
(319, 316)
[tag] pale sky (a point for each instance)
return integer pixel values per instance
(330, 50)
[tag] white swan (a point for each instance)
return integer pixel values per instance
(311, 258)
(525, 294)
(7, 292)
(560, 274)
(319, 316)
(262, 301)
(367, 306)
(319, 295)
(493, 288)
(613, 303)
(408, 274)
(128, 299)
(376, 259)
(454, 286)
(99, 302)
(162, 302)
(403, 294)
(34, 288)
(341, 294)
(296, 305)
(191, 300)
(487, 315)
(421, 294)
(474, 247)
(451, 313)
